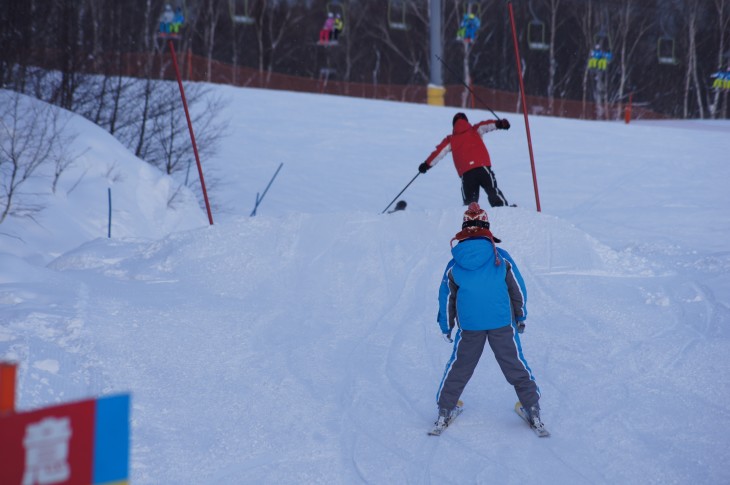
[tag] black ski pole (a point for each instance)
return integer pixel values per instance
(404, 189)
(467, 87)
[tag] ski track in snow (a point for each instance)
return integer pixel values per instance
(395, 354)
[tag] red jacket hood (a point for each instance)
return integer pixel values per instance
(461, 126)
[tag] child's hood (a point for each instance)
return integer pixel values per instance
(473, 253)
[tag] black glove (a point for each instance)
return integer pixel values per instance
(423, 168)
(521, 327)
(502, 124)
(447, 337)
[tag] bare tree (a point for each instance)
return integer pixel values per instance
(212, 10)
(691, 81)
(585, 21)
(632, 25)
(279, 19)
(355, 27)
(555, 23)
(722, 7)
(404, 51)
(168, 146)
(31, 136)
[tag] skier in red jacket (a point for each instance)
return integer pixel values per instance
(471, 159)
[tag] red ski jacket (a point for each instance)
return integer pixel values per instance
(466, 146)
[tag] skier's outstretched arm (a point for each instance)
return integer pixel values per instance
(442, 149)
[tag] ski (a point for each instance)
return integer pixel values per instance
(540, 430)
(437, 429)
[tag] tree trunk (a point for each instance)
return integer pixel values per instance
(552, 69)
(722, 21)
(691, 78)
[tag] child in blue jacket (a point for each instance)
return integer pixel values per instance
(483, 296)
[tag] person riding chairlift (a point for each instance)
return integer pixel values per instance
(599, 58)
(337, 28)
(326, 32)
(722, 79)
(468, 29)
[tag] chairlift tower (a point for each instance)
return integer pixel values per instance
(436, 90)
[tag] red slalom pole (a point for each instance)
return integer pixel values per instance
(524, 103)
(7, 387)
(190, 129)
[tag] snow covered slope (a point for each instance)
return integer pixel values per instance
(300, 345)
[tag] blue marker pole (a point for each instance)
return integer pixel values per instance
(258, 200)
(109, 231)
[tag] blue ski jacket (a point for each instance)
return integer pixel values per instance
(476, 293)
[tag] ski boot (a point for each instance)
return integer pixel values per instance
(533, 417)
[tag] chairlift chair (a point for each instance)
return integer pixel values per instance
(171, 20)
(240, 13)
(536, 36)
(601, 55)
(397, 15)
(474, 7)
(665, 51)
(603, 40)
(325, 73)
(336, 7)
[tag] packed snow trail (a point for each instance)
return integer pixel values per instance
(311, 345)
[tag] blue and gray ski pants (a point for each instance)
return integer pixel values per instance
(468, 348)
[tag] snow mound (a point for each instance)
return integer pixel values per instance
(145, 202)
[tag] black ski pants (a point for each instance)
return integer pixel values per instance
(468, 348)
(482, 177)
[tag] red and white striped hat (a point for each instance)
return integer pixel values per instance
(476, 224)
(475, 217)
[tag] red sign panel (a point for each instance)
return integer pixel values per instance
(54, 445)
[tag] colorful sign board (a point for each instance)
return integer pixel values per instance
(85, 442)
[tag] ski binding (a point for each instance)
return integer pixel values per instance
(539, 430)
(438, 429)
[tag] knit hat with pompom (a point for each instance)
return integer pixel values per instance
(476, 224)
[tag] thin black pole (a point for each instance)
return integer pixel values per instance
(404, 189)
(467, 87)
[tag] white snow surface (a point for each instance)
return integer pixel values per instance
(300, 345)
